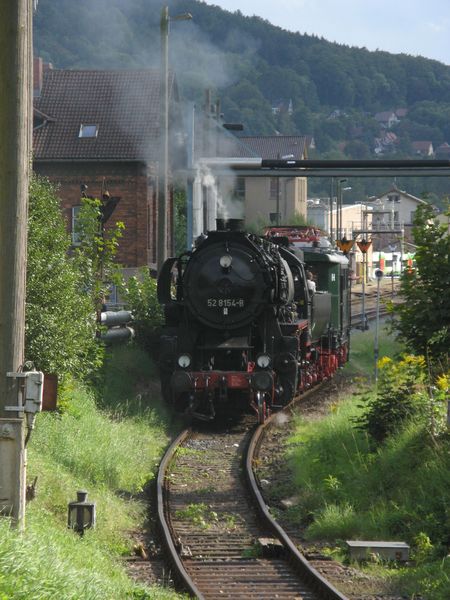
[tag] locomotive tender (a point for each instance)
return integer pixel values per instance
(241, 326)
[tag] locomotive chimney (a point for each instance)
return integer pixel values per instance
(230, 224)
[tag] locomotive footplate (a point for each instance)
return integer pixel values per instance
(220, 379)
(199, 381)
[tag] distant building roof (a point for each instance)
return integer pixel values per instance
(396, 191)
(424, 147)
(274, 147)
(443, 149)
(385, 116)
(212, 139)
(122, 106)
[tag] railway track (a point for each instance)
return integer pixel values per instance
(370, 305)
(218, 543)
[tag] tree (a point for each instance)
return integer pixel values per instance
(180, 226)
(60, 318)
(423, 318)
(96, 252)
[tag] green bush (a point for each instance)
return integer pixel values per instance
(346, 489)
(139, 294)
(399, 397)
(60, 318)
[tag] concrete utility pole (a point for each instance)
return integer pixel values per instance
(15, 157)
(163, 196)
(164, 140)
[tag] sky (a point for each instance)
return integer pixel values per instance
(416, 27)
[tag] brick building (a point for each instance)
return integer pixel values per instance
(101, 129)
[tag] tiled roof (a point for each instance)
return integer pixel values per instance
(213, 140)
(423, 146)
(270, 147)
(124, 105)
(384, 116)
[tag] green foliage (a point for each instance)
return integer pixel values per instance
(129, 385)
(112, 457)
(97, 449)
(48, 562)
(139, 294)
(399, 397)
(96, 252)
(423, 548)
(348, 490)
(60, 320)
(423, 319)
(180, 228)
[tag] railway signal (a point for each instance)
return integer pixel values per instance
(379, 274)
(364, 246)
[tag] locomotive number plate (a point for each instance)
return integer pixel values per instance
(225, 302)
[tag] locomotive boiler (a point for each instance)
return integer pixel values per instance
(241, 327)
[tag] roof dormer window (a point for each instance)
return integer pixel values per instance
(88, 131)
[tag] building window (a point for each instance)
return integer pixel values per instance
(88, 131)
(394, 198)
(76, 241)
(239, 190)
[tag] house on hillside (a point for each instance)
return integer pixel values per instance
(387, 142)
(443, 151)
(100, 129)
(387, 119)
(283, 106)
(423, 148)
(401, 112)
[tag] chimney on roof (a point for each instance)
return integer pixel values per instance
(38, 74)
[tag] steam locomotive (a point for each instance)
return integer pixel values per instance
(241, 326)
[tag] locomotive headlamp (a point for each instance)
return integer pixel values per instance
(262, 381)
(225, 261)
(184, 361)
(263, 361)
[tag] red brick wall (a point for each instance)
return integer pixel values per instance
(136, 187)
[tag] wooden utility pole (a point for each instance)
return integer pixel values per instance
(15, 157)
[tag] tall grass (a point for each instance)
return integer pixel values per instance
(112, 454)
(362, 348)
(347, 488)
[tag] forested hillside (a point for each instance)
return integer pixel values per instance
(269, 79)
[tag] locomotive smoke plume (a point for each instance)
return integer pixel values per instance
(226, 207)
(280, 419)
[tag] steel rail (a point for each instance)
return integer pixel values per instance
(307, 571)
(180, 573)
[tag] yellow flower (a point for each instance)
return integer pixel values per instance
(384, 360)
(443, 382)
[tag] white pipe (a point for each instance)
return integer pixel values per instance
(211, 210)
(232, 163)
(197, 208)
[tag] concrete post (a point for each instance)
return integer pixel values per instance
(15, 158)
(164, 141)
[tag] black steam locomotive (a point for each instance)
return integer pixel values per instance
(242, 326)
